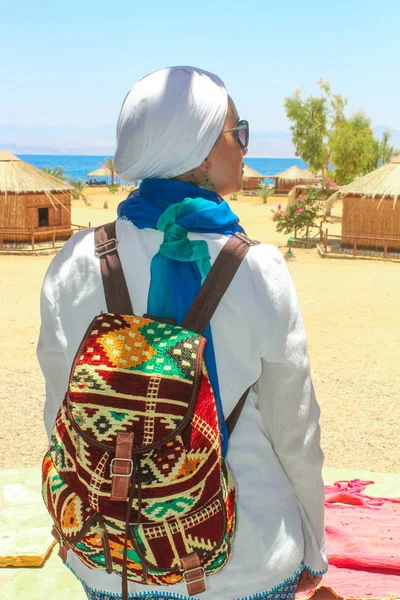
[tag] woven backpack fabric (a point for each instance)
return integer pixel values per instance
(134, 478)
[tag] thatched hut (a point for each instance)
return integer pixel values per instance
(286, 180)
(371, 208)
(299, 190)
(32, 202)
(100, 174)
(251, 179)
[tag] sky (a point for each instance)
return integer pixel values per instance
(72, 63)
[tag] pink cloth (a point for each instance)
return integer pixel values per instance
(363, 542)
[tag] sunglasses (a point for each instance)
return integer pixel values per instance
(242, 133)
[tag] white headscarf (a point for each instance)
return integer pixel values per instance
(169, 122)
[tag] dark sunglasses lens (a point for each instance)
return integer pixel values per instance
(242, 133)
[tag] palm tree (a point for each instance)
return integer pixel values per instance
(77, 193)
(264, 192)
(109, 163)
(57, 172)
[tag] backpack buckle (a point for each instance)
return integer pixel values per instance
(245, 238)
(98, 249)
(124, 460)
(192, 575)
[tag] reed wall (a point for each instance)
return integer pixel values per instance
(20, 213)
(283, 187)
(361, 216)
(251, 183)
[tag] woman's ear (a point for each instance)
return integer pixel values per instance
(205, 166)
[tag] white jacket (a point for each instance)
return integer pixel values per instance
(259, 341)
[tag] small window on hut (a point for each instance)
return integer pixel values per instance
(43, 217)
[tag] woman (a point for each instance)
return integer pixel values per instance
(181, 135)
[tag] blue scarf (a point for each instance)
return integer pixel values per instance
(180, 266)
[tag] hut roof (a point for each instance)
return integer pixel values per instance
(294, 173)
(383, 183)
(19, 177)
(101, 172)
(251, 173)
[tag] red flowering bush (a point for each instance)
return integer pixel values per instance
(308, 210)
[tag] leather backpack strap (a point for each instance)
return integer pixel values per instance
(115, 288)
(235, 414)
(217, 282)
(193, 574)
(211, 292)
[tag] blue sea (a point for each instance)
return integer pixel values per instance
(77, 167)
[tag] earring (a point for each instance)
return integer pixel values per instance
(207, 185)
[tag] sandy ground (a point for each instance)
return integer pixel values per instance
(352, 317)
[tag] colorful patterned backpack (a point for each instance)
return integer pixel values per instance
(134, 478)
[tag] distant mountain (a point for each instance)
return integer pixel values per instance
(100, 140)
(65, 139)
(85, 151)
(61, 139)
(278, 144)
(271, 144)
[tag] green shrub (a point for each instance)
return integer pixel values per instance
(264, 191)
(307, 211)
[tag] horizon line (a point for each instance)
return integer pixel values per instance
(111, 155)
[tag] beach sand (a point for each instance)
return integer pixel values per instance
(350, 310)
